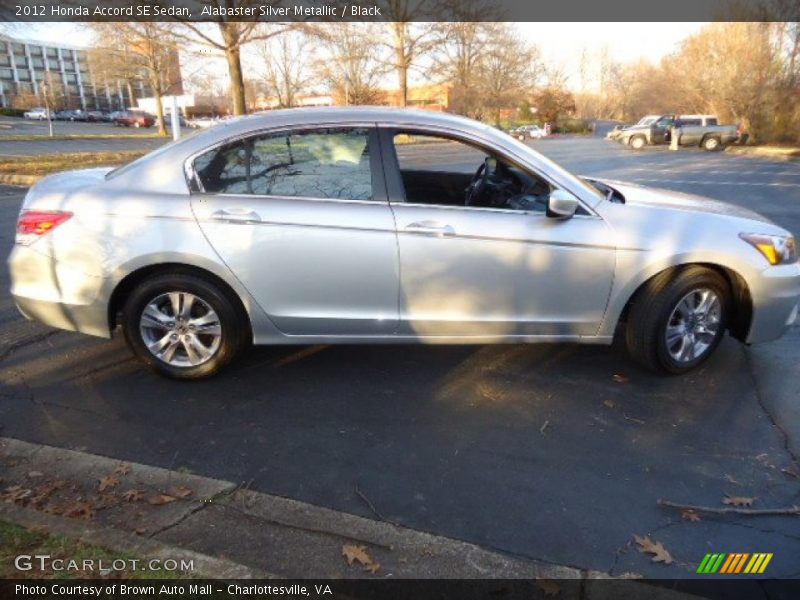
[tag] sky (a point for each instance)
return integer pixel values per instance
(561, 44)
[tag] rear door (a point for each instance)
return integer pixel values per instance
(301, 218)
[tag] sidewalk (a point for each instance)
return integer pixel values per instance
(231, 532)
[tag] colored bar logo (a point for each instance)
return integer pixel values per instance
(734, 563)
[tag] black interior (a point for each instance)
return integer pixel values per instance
(506, 187)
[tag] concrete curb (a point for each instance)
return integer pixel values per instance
(121, 541)
(250, 530)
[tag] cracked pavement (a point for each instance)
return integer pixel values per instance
(535, 451)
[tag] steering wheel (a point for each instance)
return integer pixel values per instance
(477, 186)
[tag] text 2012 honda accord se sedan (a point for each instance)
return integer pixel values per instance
(383, 225)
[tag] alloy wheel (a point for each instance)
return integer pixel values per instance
(693, 325)
(180, 329)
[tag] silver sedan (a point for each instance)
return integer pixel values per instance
(363, 225)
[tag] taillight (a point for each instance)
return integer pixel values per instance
(33, 224)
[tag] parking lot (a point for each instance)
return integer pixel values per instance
(553, 452)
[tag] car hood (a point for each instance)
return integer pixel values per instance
(660, 198)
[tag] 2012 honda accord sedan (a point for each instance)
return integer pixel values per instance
(360, 225)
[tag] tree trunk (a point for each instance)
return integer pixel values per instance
(402, 75)
(156, 84)
(230, 35)
(131, 95)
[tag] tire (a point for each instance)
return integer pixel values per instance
(637, 142)
(712, 144)
(184, 353)
(657, 332)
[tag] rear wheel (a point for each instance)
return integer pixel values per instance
(678, 319)
(711, 144)
(183, 326)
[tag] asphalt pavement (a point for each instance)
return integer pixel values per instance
(558, 453)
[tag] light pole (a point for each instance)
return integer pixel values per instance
(45, 89)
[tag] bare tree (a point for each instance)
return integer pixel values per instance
(151, 48)
(408, 39)
(352, 69)
(286, 68)
(227, 38)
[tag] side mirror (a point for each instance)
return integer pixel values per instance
(561, 204)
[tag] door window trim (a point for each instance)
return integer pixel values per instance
(379, 188)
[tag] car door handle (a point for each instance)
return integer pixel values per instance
(430, 228)
(237, 215)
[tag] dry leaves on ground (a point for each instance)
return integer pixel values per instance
(107, 482)
(687, 514)
(359, 554)
(160, 499)
(656, 549)
(740, 501)
(133, 495)
(78, 510)
(122, 470)
(620, 378)
(180, 492)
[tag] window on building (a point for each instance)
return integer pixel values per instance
(331, 163)
(35, 50)
(21, 61)
(6, 74)
(51, 52)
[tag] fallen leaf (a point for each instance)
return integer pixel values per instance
(648, 546)
(107, 482)
(180, 492)
(122, 470)
(792, 471)
(15, 493)
(79, 510)
(730, 479)
(688, 514)
(548, 587)
(738, 501)
(160, 499)
(620, 378)
(609, 404)
(373, 568)
(358, 554)
(35, 474)
(141, 531)
(133, 495)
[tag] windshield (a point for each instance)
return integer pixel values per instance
(647, 120)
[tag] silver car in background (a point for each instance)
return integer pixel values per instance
(362, 225)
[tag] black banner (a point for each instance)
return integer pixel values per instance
(744, 588)
(394, 10)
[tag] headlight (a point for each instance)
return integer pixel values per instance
(777, 249)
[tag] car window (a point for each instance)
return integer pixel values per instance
(440, 170)
(711, 122)
(320, 163)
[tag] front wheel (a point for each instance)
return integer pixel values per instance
(678, 319)
(183, 326)
(637, 142)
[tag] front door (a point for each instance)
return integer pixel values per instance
(492, 271)
(302, 220)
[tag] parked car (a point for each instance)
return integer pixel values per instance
(36, 114)
(134, 118)
(364, 225)
(616, 131)
(96, 116)
(528, 132)
(707, 134)
(202, 122)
